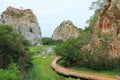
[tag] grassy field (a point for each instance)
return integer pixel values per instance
(43, 71)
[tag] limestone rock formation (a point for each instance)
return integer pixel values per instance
(108, 22)
(24, 22)
(65, 31)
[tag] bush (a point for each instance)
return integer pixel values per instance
(102, 62)
(15, 14)
(12, 73)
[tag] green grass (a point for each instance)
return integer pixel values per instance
(43, 71)
(102, 73)
(35, 49)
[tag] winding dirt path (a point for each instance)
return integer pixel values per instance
(70, 72)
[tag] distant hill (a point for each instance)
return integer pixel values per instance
(65, 31)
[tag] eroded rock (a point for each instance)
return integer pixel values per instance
(24, 22)
(65, 31)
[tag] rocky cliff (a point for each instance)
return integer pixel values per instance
(65, 31)
(107, 29)
(24, 22)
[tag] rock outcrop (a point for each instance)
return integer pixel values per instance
(24, 22)
(108, 22)
(65, 31)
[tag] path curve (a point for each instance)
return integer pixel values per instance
(70, 72)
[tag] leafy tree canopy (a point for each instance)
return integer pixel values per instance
(12, 48)
(50, 41)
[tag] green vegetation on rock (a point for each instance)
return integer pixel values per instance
(15, 14)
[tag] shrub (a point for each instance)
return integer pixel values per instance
(15, 14)
(12, 73)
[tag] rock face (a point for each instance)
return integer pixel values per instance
(65, 31)
(24, 22)
(108, 22)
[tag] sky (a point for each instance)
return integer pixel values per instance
(50, 13)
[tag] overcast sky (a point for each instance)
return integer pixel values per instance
(50, 13)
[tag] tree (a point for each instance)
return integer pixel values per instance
(69, 52)
(71, 49)
(97, 4)
(12, 48)
(50, 41)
